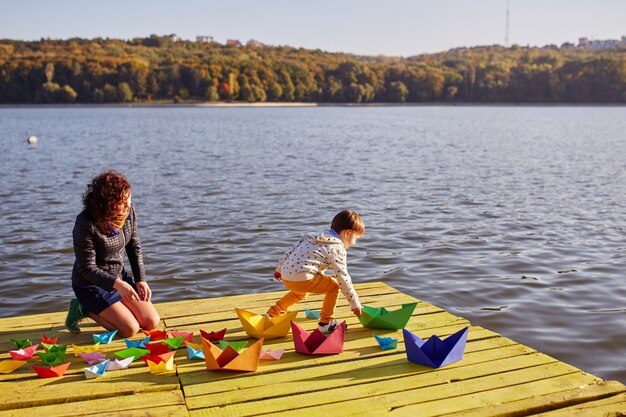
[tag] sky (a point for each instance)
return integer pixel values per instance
(363, 27)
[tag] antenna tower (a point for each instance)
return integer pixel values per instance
(506, 34)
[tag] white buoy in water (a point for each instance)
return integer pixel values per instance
(32, 140)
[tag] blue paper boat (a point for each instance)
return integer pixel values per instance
(137, 343)
(386, 343)
(195, 354)
(104, 338)
(97, 370)
(310, 314)
(435, 352)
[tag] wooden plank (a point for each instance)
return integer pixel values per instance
(37, 391)
(119, 404)
(293, 382)
(358, 398)
(583, 397)
(614, 406)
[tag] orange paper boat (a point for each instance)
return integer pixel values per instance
(53, 371)
(259, 326)
(155, 335)
(228, 359)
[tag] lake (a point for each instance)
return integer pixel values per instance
(511, 217)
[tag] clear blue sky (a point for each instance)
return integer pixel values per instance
(395, 27)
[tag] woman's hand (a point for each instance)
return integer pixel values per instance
(126, 290)
(357, 311)
(145, 294)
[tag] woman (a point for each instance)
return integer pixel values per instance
(103, 231)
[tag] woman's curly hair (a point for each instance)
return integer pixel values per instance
(103, 195)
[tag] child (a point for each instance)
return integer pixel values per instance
(302, 267)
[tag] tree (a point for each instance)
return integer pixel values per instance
(397, 92)
(211, 94)
(67, 94)
(125, 93)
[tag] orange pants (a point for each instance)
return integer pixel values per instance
(321, 284)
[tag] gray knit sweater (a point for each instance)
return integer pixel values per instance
(100, 257)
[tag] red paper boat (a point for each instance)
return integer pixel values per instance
(46, 339)
(23, 354)
(53, 371)
(156, 359)
(188, 335)
(213, 336)
(155, 334)
(317, 343)
(156, 348)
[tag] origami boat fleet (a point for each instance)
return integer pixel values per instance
(157, 350)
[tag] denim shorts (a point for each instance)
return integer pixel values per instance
(96, 299)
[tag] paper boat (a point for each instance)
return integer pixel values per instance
(271, 355)
(229, 359)
(85, 349)
(135, 352)
(97, 370)
(161, 367)
(311, 314)
(213, 336)
(237, 345)
(317, 343)
(104, 338)
(187, 336)
(163, 357)
(92, 357)
(116, 364)
(52, 372)
(157, 348)
(54, 358)
(435, 352)
(381, 318)
(155, 334)
(8, 366)
(23, 354)
(259, 326)
(54, 348)
(386, 343)
(22, 343)
(46, 339)
(194, 353)
(137, 343)
(173, 342)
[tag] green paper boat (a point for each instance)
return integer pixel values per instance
(381, 318)
(235, 345)
(173, 342)
(22, 343)
(136, 352)
(49, 348)
(53, 358)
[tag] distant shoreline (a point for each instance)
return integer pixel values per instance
(297, 104)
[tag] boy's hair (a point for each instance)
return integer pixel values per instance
(348, 220)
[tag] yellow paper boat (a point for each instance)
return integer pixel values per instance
(85, 349)
(259, 326)
(8, 366)
(229, 359)
(161, 367)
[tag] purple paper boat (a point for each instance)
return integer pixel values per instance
(435, 352)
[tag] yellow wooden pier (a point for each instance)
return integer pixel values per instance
(497, 376)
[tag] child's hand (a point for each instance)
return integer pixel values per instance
(278, 276)
(357, 312)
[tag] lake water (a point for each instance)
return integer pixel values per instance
(512, 217)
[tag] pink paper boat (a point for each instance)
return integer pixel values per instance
(92, 357)
(117, 364)
(317, 343)
(188, 335)
(271, 355)
(53, 371)
(23, 354)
